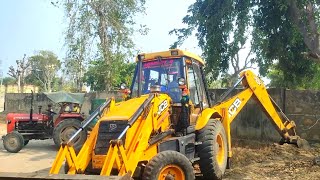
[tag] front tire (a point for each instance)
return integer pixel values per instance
(65, 130)
(13, 142)
(169, 165)
(213, 150)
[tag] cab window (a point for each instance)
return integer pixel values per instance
(196, 86)
(165, 73)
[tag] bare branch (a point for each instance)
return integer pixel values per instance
(246, 62)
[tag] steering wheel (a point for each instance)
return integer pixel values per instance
(49, 110)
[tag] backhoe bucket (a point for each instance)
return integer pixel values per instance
(302, 143)
(298, 141)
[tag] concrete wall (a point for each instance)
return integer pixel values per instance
(18, 102)
(303, 107)
(14, 89)
(2, 93)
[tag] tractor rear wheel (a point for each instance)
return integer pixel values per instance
(213, 150)
(169, 165)
(66, 129)
(13, 142)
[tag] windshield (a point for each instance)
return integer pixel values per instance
(163, 72)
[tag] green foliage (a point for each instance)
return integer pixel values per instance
(95, 76)
(283, 31)
(276, 37)
(45, 66)
(8, 81)
(103, 27)
(73, 71)
(292, 81)
(216, 21)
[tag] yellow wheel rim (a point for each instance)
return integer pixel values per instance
(171, 172)
(221, 151)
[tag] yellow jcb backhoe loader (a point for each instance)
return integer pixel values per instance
(168, 125)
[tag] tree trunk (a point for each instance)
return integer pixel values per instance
(49, 86)
(105, 52)
(308, 30)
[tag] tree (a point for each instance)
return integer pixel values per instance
(45, 66)
(305, 15)
(222, 31)
(8, 81)
(102, 26)
(283, 32)
(20, 72)
(74, 71)
(94, 77)
(279, 41)
(279, 79)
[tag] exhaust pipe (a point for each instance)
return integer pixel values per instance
(31, 108)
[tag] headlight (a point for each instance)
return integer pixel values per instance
(8, 121)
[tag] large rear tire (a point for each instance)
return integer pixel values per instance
(213, 150)
(65, 130)
(13, 142)
(169, 165)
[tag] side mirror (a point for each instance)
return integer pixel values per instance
(123, 86)
(212, 96)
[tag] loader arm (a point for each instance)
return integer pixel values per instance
(151, 118)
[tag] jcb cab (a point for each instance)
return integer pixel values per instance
(167, 125)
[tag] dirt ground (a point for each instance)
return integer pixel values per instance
(36, 155)
(255, 160)
(251, 160)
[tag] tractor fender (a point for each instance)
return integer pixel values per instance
(63, 117)
(206, 114)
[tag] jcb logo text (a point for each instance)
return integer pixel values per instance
(162, 106)
(234, 107)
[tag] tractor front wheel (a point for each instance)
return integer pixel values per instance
(213, 150)
(13, 142)
(66, 129)
(169, 165)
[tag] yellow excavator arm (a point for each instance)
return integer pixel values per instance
(255, 88)
(227, 110)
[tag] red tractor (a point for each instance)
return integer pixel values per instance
(24, 127)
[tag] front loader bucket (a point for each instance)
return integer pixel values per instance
(42, 175)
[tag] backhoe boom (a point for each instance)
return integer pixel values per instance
(227, 110)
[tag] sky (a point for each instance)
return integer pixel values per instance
(29, 26)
